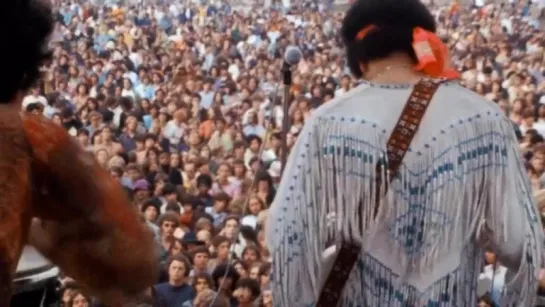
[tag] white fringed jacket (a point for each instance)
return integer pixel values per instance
(463, 167)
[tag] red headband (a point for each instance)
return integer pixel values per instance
(431, 52)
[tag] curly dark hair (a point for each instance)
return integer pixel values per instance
(251, 284)
(204, 276)
(225, 271)
(179, 258)
(26, 26)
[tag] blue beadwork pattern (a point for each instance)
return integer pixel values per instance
(380, 283)
(380, 286)
(410, 227)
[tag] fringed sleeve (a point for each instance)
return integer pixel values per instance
(517, 235)
(327, 176)
(292, 228)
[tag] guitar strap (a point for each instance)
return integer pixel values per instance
(397, 146)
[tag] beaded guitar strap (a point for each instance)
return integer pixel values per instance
(398, 144)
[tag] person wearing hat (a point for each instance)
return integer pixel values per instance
(151, 209)
(190, 241)
(141, 190)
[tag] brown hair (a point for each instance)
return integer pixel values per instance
(265, 268)
(205, 276)
(76, 293)
(218, 240)
(181, 259)
(261, 202)
(200, 250)
(169, 217)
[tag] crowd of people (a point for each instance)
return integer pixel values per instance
(180, 102)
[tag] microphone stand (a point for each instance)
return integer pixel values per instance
(286, 73)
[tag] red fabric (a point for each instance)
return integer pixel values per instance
(96, 237)
(432, 54)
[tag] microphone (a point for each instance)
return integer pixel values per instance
(292, 56)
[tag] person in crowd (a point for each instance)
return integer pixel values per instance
(177, 290)
(79, 299)
(225, 277)
(201, 255)
(202, 282)
(246, 292)
(485, 301)
(168, 223)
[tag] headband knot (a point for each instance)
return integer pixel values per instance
(431, 53)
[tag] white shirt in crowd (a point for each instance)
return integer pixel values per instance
(29, 99)
(173, 132)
